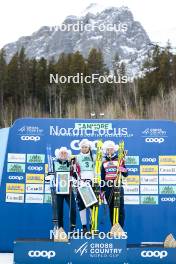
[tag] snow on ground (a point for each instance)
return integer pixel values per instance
(6, 258)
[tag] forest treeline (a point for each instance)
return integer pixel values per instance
(26, 91)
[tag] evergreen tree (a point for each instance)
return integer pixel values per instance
(3, 76)
(95, 65)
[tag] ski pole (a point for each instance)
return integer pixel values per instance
(52, 187)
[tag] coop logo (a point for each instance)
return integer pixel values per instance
(30, 138)
(35, 168)
(168, 199)
(111, 170)
(42, 254)
(154, 140)
(154, 254)
(82, 249)
(146, 160)
(132, 170)
(18, 178)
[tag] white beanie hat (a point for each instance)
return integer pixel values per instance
(58, 151)
(109, 144)
(86, 143)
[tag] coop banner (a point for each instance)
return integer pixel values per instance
(149, 190)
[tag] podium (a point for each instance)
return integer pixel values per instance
(75, 251)
(90, 251)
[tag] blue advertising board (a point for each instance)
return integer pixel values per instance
(150, 189)
(90, 251)
(78, 251)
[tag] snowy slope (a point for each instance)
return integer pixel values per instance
(95, 8)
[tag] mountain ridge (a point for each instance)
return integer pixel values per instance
(132, 45)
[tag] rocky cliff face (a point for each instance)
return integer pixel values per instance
(113, 30)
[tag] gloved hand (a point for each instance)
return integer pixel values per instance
(50, 178)
(47, 178)
(122, 169)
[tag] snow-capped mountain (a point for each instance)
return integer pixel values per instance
(95, 8)
(112, 29)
